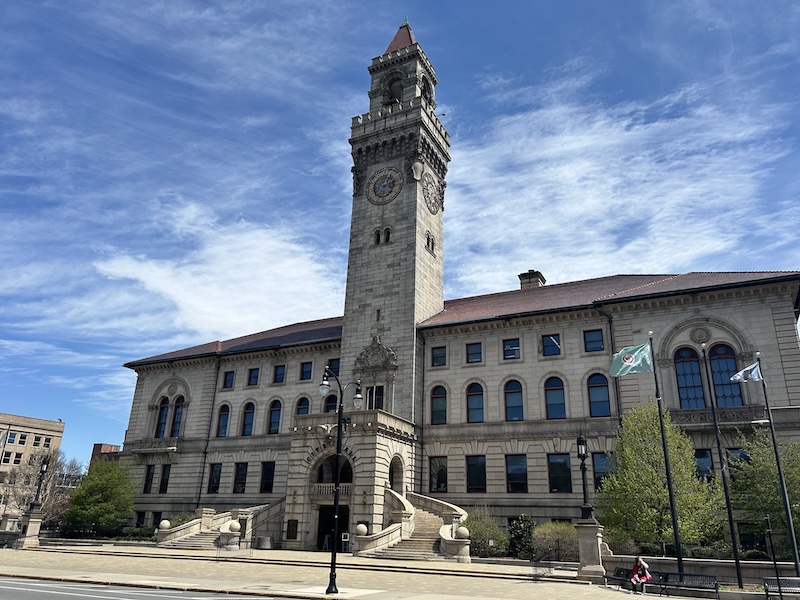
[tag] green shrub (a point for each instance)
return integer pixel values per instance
(755, 555)
(182, 518)
(620, 541)
(521, 537)
(483, 529)
(138, 533)
(555, 541)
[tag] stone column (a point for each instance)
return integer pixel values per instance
(31, 524)
(590, 536)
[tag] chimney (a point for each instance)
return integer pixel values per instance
(531, 279)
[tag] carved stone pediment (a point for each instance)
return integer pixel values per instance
(376, 359)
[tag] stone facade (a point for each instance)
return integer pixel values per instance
(475, 401)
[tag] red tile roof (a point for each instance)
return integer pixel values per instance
(402, 39)
(559, 297)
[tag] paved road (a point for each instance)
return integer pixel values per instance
(292, 574)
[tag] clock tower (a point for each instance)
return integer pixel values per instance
(395, 274)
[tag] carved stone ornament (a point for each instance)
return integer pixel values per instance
(358, 180)
(376, 356)
(172, 389)
(700, 335)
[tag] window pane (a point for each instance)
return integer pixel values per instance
(704, 463)
(554, 399)
(438, 474)
(475, 403)
(690, 385)
(375, 397)
(438, 406)
(227, 379)
(599, 405)
(177, 416)
(303, 406)
(213, 478)
(305, 371)
(247, 418)
(252, 377)
(222, 421)
(161, 422)
(593, 340)
(333, 365)
(439, 356)
(516, 474)
(163, 483)
(279, 374)
(513, 398)
(723, 366)
(267, 477)
(559, 473)
(331, 404)
(602, 463)
(240, 478)
(474, 353)
(476, 474)
(511, 349)
(551, 344)
(149, 472)
(274, 417)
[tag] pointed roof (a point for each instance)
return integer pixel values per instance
(402, 39)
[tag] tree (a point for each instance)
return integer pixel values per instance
(755, 489)
(103, 502)
(634, 496)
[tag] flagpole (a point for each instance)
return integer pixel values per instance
(676, 534)
(784, 493)
(722, 463)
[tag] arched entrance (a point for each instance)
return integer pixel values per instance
(396, 475)
(325, 489)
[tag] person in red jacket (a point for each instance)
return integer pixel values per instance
(640, 574)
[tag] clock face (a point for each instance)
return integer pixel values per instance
(384, 185)
(431, 193)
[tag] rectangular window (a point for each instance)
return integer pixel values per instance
(156, 517)
(476, 474)
(140, 515)
(551, 344)
(602, 464)
(227, 380)
(516, 474)
(291, 529)
(704, 464)
(735, 458)
(18, 458)
(593, 340)
(333, 365)
(439, 356)
(438, 466)
(558, 471)
(279, 374)
(375, 398)
(511, 349)
(474, 353)
(12, 438)
(267, 477)
(305, 371)
(47, 441)
(239, 478)
(37, 441)
(6, 458)
(214, 476)
(149, 472)
(23, 439)
(163, 483)
(252, 377)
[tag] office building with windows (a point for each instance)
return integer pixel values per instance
(471, 401)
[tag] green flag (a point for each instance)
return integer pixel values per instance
(633, 359)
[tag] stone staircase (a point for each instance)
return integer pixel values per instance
(205, 540)
(423, 544)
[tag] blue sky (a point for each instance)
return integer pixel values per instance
(175, 172)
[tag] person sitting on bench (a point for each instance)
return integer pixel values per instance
(640, 574)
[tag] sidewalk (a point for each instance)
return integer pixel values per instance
(284, 574)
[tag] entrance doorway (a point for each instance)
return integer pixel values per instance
(325, 528)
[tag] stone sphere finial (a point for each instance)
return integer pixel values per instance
(235, 527)
(361, 529)
(462, 533)
(164, 524)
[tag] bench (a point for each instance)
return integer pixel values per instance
(684, 581)
(541, 565)
(788, 585)
(620, 577)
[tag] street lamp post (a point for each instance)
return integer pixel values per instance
(586, 509)
(36, 505)
(324, 388)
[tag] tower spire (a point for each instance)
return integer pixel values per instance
(402, 39)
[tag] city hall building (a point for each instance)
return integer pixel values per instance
(471, 401)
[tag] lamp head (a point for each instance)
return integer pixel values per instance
(358, 399)
(325, 386)
(581, 447)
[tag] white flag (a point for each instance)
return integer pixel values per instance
(751, 373)
(3, 435)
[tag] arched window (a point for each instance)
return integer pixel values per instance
(723, 366)
(554, 398)
(513, 396)
(161, 421)
(331, 404)
(475, 403)
(377, 236)
(438, 405)
(599, 405)
(274, 417)
(177, 416)
(222, 421)
(303, 406)
(387, 235)
(690, 384)
(248, 417)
